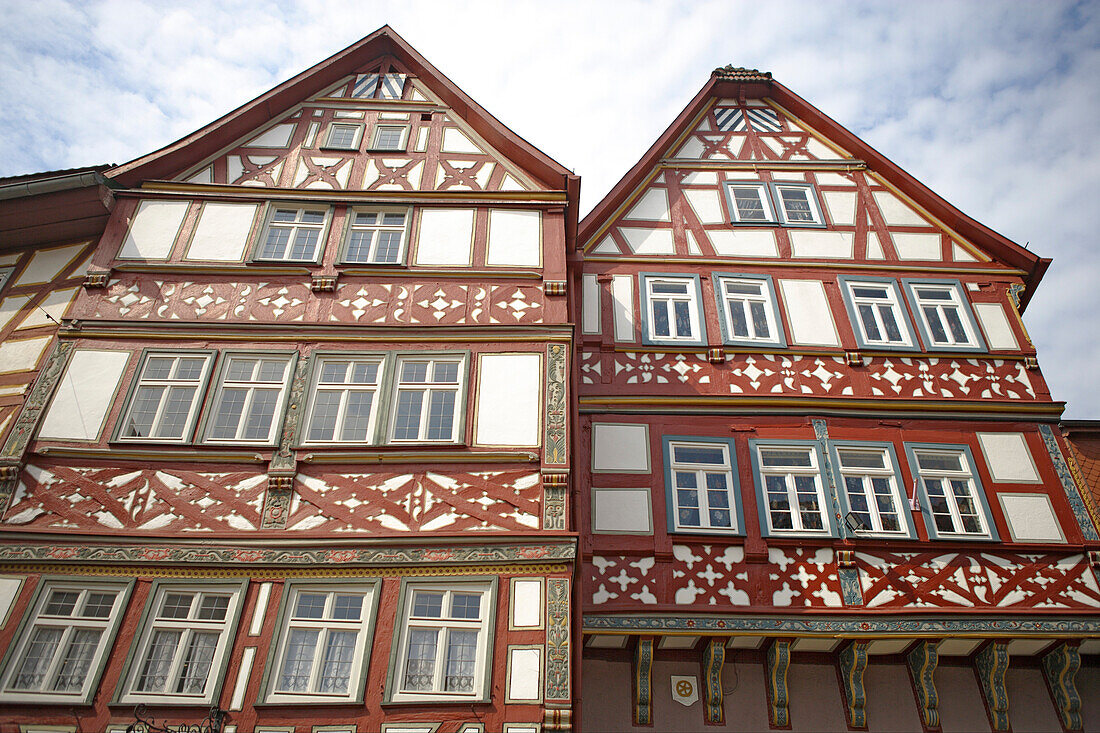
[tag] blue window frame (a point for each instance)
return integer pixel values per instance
(750, 310)
(871, 489)
(750, 203)
(877, 312)
(672, 310)
(701, 488)
(943, 315)
(952, 498)
(796, 204)
(790, 488)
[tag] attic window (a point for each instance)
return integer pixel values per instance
(389, 137)
(378, 86)
(344, 136)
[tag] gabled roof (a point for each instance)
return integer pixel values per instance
(204, 142)
(741, 83)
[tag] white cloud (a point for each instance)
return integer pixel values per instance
(992, 105)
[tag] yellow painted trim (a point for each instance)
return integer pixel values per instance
(412, 456)
(832, 165)
(178, 453)
(763, 634)
(270, 573)
(810, 129)
(620, 348)
(627, 202)
(296, 337)
(790, 263)
(742, 401)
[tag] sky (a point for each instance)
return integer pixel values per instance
(993, 105)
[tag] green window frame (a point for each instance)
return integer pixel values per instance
(171, 371)
(293, 233)
(256, 398)
(953, 500)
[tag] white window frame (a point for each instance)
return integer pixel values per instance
(429, 388)
(789, 473)
(892, 301)
(702, 491)
(376, 230)
(345, 389)
(816, 219)
(189, 628)
(957, 301)
(762, 192)
(252, 387)
(865, 477)
(363, 628)
(377, 131)
(357, 135)
(397, 691)
(668, 301)
(142, 380)
(36, 618)
(967, 475)
(766, 298)
(296, 229)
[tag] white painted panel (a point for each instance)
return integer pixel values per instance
(1008, 458)
(446, 237)
(46, 264)
(959, 254)
(515, 238)
(897, 212)
(809, 312)
(606, 246)
(620, 448)
(9, 589)
(693, 246)
(243, 673)
(606, 641)
(649, 241)
(701, 178)
(691, 149)
(1030, 518)
(275, 137)
(10, 306)
(888, 646)
(85, 394)
(222, 232)
(455, 141)
(678, 642)
(841, 206)
(55, 304)
(621, 510)
(527, 603)
(820, 150)
(917, 246)
(508, 399)
(153, 230)
(819, 244)
(260, 611)
(590, 304)
(21, 355)
(957, 647)
(622, 300)
(652, 206)
(788, 176)
(874, 247)
(994, 320)
(706, 204)
(206, 175)
(833, 179)
(525, 677)
(749, 243)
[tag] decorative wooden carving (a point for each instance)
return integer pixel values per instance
(1073, 493)
(1060, 667)
(991, 664)
(95, 280)
(642, 676)
(556, 435)
(922, 661)
(714, 656)
(277, 498)
(323, 283)
(557, 641)
(554, 287)
(851, 662)
(35, 404)
(555, 492)
(777, 661)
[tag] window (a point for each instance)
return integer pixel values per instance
(292, 235)
(871, 490)
(376, 237)
(426, 399)
(955, 505)
(749, 314)
(671, 311)
(943, 315)
(59, 650)
(443, 648)
(344, 136)
(877, 313)
(790, 479)
(181, 650)
(165, 401)
(750, 203)
(250, 395)
(389, 137)
(345, 400)
(797, 204)
(324, 645)
(699, 474)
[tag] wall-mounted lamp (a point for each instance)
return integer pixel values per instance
(854, 523)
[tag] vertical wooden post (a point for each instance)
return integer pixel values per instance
(1060, 667)
(643, 681)
(990, 665)
(777, 662)
(922, 661)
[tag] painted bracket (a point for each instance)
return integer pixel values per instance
(1060, 667)
(777, 661)
(714, 656)
(990, 664)
(922, 661)
(851, 661)
(643, 681)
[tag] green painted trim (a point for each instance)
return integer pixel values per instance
(671, 521)
(904, 511)
(213, 399)
(402, 255)
(815, 204)
(268, 213)
(386, 373)
(765, 196)
(700, 313)
(830, 530)
(390, 396)
(204, 383)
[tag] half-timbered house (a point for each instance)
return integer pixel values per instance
(822, 481)
(298, 455)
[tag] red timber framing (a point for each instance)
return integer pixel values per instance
(814, 436)
(300, 449)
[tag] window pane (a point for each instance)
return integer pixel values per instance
(759, 320)
(414, 371)
(940, 461)
(36, 659)
(336, 663)
(407, 421)
(276, 242)
(466, 605)
(195, 670)
(660, 319)
(213, 608)
(98, 605)
(958, 332)
(461, 660)
(359, 245)
(241, 370)
(176, 605)
(738, 323)
(143, 411)
(889, 323)
(740, 287)
(686, 479)
(310, 605)
(271, 370)
(861, 459)
(333, 372)
(683, 318)
(305, 240)
(427, 605)
(301, 645)
(61, 603)
(260, 414)
(326, 405)
(357, 416)
(176, 410)
(77, 660)
(158, 367)
(935, 326)
(391, 219)
(158, 660)
(190, 368)
(441, 415)
(389, 246)
(348, 608)
(796, 204)
(364, 372)
(870, 291)
(781, 457)
(666, 288)
(698, 454)
(420, 662)
(933, 294)
(749, 206)
(870, 325)
(446, 372)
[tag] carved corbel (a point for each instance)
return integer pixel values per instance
(851, 662)
(557, 718)
(1060, 667)
(554, 499)
(991, 664)
(714, 656)
(777, 661)
(280, 491)
(97, 279)
(642, 681)
(9, 477)
(847, 574)
(921, 661)
(323, 283)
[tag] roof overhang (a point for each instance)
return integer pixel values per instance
(54, 207)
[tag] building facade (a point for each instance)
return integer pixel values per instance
(822, 482)
(297, 457)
